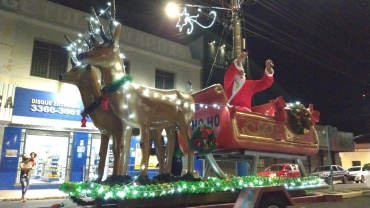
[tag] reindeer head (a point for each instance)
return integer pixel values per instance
(79, 75)
(104, 54)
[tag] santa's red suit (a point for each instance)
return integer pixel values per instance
(243, 94)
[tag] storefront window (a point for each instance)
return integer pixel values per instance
(93, 162)
(52, 152)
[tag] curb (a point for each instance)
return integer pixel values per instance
(39, 198)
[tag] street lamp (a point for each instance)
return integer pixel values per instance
(172, 9)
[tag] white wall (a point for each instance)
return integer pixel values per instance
(348, 157)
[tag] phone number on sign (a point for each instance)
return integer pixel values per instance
(48, 109)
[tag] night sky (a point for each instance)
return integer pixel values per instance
(321, 49)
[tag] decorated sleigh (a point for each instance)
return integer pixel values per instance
(274, 127)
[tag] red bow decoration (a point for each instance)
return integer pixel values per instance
(83, 120)
(205, 132)
(315, 114)
(104, 100)
(279, 107)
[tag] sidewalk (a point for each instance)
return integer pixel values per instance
(42, 194)
(348, 193)
(32, 194)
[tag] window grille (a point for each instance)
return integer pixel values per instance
(164, 80)
(48, 60)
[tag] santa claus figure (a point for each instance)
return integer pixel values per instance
(239, 91)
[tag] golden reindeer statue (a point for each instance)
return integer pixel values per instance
(86, 80)
(138, 106)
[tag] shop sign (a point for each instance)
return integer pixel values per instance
(11, 153)
(41, 104)
(6, 101)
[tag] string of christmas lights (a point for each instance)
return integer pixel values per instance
(212, 185)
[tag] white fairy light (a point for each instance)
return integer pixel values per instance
(215, 105)
(125, 106)
(201, 105)
(131, 116)
(146, 92)
(126, 85)
(186, 104)
(128, 96)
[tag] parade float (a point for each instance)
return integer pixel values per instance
(217, 130)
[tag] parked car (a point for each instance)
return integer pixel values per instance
(339, 173)
(281, 170)
(358, 173)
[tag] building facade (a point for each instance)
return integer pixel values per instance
(40, 114)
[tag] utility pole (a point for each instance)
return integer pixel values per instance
(238, 44)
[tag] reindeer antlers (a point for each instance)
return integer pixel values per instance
(95, 28)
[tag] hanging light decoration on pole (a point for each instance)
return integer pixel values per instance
(188, 21)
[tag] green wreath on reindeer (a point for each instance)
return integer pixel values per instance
(203, 139)
(300, 119)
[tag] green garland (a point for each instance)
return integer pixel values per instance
(117, 84)
(212, 185)
(203, 139)
(300, 119)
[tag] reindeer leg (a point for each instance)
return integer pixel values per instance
(117, 142)
(159, 148)
(103, 155)
(125, 150)
(145, 147)
(170, 132)
(184, 130)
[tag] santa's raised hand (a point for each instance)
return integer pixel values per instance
(269, 65)
(241, 58)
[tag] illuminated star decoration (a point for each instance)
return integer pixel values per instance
(184, 19)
